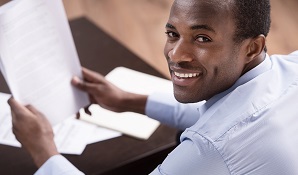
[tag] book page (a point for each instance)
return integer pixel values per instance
(129, 123)
(38, 57)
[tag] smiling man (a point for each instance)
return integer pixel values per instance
(240, 111)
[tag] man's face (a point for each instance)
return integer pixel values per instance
(203, 58)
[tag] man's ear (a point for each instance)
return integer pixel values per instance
(255, 47)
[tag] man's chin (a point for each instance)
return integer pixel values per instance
(184, 98)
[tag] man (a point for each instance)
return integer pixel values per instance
(216, 50)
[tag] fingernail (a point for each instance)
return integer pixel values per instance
(76, 80)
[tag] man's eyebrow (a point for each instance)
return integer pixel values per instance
(170, 26)
(205, 27)
(195, 27)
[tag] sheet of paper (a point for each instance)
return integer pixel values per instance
(71, 136)
(38, 57)
(2, 69)
(6, 135)
(129, 123)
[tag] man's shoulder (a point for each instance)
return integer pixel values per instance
(285, 66)
(292, 57)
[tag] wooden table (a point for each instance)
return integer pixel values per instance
(122, 155)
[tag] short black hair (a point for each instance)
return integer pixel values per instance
(252, 18)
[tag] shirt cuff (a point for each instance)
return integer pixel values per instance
(58, 165)
(160, 106)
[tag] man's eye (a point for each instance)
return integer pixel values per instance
(203, 39)
(172, 34)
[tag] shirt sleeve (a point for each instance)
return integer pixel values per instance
(192, 157)
(164, 108)
(58, 165)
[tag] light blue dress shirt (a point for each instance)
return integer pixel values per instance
(251, 128)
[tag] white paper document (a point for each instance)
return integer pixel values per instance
(71, 136)
(129, 123)
(6, 135)
(38, 57)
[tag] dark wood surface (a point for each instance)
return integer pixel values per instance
(99, 52)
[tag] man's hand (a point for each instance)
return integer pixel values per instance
(108, 95)
(33, 131)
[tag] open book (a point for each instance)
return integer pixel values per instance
(129, 123)
(38, 57)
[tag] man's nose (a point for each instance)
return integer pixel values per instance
(182, 52)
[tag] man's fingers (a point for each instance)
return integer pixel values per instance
(92, 76)
(33, 110)
(92, 99)
(84, 86)
(17, 114)
(16, 107)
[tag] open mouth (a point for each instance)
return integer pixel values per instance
(185, 79)
(186, 75)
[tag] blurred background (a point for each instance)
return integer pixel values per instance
(139, 25)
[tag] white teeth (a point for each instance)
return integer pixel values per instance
(190, 75)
